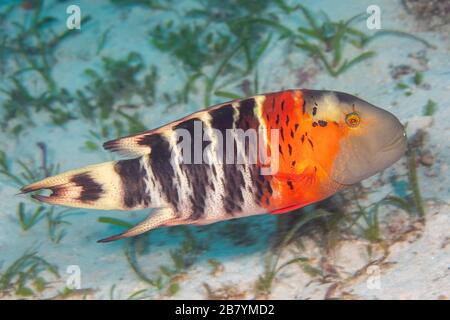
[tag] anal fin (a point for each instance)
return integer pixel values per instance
(158, 218)
(290, 208)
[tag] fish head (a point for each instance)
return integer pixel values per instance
(374, 140)
(370, 138)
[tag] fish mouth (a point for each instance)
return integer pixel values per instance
(398, 143)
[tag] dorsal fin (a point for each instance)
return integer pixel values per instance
(138, 144)
(133, 145)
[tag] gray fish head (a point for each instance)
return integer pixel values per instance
(374, 139)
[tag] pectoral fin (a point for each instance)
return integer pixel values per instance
(158, 218)
(293, 182)
(304, 179)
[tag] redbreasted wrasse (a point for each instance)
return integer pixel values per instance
(324, 142)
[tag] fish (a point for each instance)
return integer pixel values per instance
(310, 144)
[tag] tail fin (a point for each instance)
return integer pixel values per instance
(97, 187)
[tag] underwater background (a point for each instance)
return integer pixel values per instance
(136, 65)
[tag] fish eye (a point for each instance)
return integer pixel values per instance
(352, 119)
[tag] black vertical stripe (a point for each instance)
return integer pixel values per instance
(160, 163)
(198, 177)
(197, 174)
(133, 177)
(222, 118)
(233, 184)
(247, 117)
(233, 180)
(262, 184)
(188, 125)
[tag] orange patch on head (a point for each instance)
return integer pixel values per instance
(304, 143)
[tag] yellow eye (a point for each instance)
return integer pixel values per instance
(352, 119)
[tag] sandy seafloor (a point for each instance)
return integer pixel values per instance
(417, 267)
